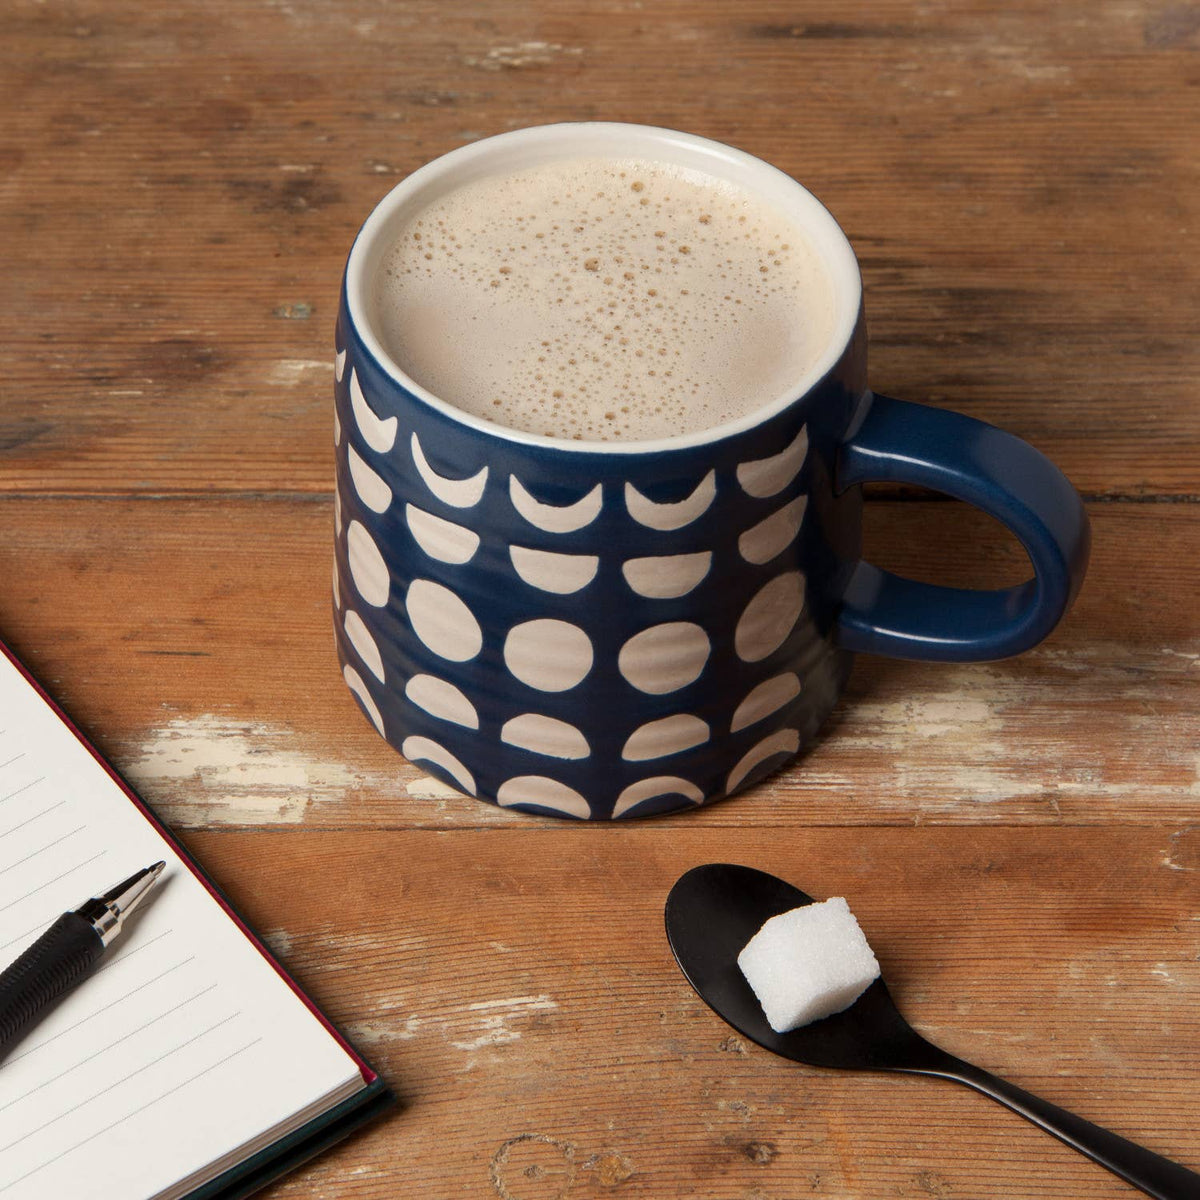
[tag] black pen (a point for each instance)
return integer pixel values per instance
(66, 953)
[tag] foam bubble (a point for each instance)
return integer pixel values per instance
(603, 298)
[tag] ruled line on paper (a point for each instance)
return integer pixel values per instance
(104, 1049)
(137, 987)
(30, 820)
(43, 886)
(38, 928)
(117, 960)
(23, 788)
(133, 1113)
(117, 1083)
(43, 849)
(12, 760)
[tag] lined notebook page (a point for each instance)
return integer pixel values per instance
(184, 1045)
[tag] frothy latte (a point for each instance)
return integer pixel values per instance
(603, 298)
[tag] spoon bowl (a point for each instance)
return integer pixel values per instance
(714, 910)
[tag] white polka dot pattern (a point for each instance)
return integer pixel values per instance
(545, 735)
(337, 513)
(362, 641)
(769, 476)
(442, 621)
(769, 617)
(371, 489)
(550, 655)
(337, 591)
(664, 658)
(545, 793)
(439, 538)
(563, 574)
(337, 429)
(380, 435)
(554, 518)
(423, 749)
(441, 699)
(668, 735)
(458, 493)
(355, 684)
(367, 568)
(674, 515)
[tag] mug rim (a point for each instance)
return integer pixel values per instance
(563, 140)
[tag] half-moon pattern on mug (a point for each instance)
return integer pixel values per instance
(379, 434)
(441, 699)
(549, 571)
(339, 365)
(769, 697)
(769, 476)
(774, 534)
(782, 741)
(667, 735)
(439, 538)
(651, 789)
(542, 792)
(672, 515)
(423, 749)
(545, 735)
(371, 489)
(666, 576)
(355, 683)
(555, 518)
(362, 641)
(458, 493)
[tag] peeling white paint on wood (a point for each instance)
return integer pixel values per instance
(290, 371)
(957, 739)
(213, 770)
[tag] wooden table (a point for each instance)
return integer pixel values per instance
(179, 185)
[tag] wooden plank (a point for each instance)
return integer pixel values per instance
(180, 188)
(527, 1009)
(193, 639)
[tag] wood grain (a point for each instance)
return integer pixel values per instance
(198, 650)
(529, 1011)
(181, 185)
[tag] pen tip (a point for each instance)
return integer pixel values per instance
(157, 868)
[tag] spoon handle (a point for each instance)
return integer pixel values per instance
(1155, 1175)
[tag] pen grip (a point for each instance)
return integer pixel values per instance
(61, 957)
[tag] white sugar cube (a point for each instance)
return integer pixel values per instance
(808, 963)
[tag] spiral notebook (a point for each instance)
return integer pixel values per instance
(189, 1065)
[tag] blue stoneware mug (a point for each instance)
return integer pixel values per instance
(622, 628)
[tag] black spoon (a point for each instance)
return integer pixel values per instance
(714, 910)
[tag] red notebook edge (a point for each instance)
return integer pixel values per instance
(369, 1075)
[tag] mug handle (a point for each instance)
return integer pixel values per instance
(896, 441)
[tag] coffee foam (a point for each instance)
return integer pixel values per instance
(602, 299)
